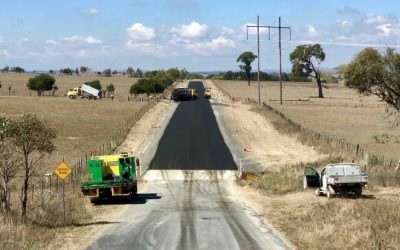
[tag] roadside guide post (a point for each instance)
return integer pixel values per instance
(62, 171)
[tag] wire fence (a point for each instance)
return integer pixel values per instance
(353, 149)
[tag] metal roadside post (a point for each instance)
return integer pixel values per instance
(62, 171)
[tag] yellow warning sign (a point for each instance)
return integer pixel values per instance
(63, 170)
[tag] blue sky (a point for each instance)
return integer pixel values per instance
(196, 34)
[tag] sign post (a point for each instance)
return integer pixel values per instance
(62, 171)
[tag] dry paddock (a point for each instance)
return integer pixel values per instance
(342, 114)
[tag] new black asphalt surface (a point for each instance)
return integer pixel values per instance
(192, 140)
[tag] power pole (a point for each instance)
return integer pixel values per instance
(280, 27)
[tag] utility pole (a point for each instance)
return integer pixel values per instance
(280, 27)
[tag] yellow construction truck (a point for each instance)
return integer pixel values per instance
(74, 93)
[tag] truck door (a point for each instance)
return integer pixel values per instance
(311, 178)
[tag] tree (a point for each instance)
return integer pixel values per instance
(110, 89)
(17, 69)
(83, 69)
(306, 60)
(173, 73)
(94, 84)
(130, 71)
(107, 72)
(373, 73)
(6, 69)
(139, 73)
(66, 71)
(148, 86)
(32, 139)
(115, 72)
(76, 71)
(9, 163)
(246, 58)
(41, 83)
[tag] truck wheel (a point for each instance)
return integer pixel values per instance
(358, 192)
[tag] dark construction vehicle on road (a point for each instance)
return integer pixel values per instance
(181, 94)
(111, 175)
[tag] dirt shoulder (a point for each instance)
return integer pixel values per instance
(265, 146)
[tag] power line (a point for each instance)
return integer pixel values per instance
(269, 27)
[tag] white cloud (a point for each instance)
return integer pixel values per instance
(2, 39)
(192, 30)
(312, 31)
(343, 23)
(385, 28)
(22, 41)
(139, 32)
(4, 53)
(375, 19)
(227, 31)
(214, 45)
(91, 12)
(80, 39)
(253, 30)
(51, 42)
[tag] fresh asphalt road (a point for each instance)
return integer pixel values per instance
(189, 208)
(192, 140)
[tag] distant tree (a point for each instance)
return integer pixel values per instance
(107, 72)
(6, 69)
(246, 58)
(99, 73)
(17, 69)
(83, 69)
(139, 73)
(184, 73)
(148, 86)
(173, 73)
(32, 139)
(9, 89)
(130, 71)
(115, 72)
(110, 88)
(94, 84)
(76, 71)
(306, 59)
(372, 73)
(0, 85)
(41, 83)
(150, 74)
(51, 72)
(67, 71)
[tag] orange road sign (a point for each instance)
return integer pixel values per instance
(62, 171)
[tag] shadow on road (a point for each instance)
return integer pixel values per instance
(140, 198)
(95, 223)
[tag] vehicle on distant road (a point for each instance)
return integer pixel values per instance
(181, 94)
(194, 94)
(337, 178)
(207, 93)
(111, 175)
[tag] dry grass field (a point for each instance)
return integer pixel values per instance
(342, 114)
(82, 126)
(64, 83)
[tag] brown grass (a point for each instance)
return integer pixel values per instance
(82, 125)
(318, 223)
(343, 114)
(18, 84)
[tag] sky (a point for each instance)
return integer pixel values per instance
(199, 35)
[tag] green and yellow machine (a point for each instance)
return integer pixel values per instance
(111, 175)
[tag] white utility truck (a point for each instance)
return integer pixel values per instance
(336, 178)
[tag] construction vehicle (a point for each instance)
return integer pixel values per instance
(181, 94)
(207, 93)
(85, 91)
(74, 93)
(337, 178)
(194, 94)
(110, 176)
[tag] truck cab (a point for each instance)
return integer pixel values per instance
(74, 93)
(337, 178)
